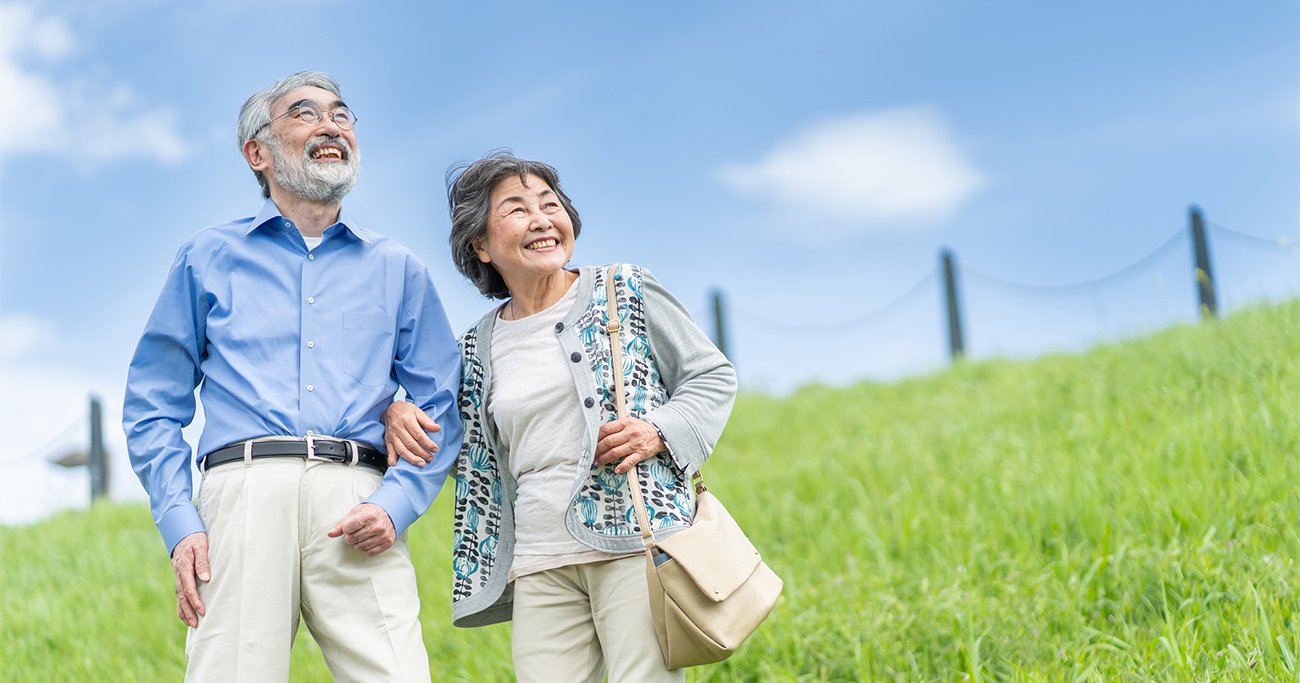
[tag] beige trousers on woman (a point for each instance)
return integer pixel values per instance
(271, 562)
(574, 623)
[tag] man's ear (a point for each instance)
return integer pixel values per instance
(257, 155)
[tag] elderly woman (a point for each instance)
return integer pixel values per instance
(544, 530)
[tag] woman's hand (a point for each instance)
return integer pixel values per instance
(406, 429)
(630, 440)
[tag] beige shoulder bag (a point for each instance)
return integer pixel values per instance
(709, 588)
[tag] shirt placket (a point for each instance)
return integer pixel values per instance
(313, 341)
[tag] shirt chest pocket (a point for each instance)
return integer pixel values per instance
(368, 347)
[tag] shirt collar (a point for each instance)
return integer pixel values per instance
(270, 214)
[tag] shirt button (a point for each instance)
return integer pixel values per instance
(311, 257)
(288, 224)
(311, 299)
(311, 432)
(311, 344)
(575, 356)
(311, 387)
(589, 402)
(559, 327)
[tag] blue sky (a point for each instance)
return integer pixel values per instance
(808, 159)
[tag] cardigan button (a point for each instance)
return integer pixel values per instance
(559, 327)
(575, 356)
(589, 402)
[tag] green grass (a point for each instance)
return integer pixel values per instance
(1128, 514)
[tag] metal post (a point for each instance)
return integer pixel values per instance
(1204, 274)
(98, 459)
(719, 324)
(956, 347)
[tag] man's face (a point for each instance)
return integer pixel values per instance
(316, 161)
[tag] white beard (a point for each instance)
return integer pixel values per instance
(325, 183)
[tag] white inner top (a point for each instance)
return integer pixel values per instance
(538, 413)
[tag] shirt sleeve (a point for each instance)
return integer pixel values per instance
(160, 401)
(427, 364)
(701, 382)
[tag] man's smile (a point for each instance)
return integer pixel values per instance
(328, 151)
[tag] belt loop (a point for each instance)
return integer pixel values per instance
(356, 451)
(311, 446)
(248, 453)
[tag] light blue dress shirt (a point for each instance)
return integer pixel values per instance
(287, 341)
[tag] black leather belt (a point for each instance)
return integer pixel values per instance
(312, 448)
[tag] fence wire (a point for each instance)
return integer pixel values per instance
(1092, 283)
(978, 276)
(78, 423)
(1280, 242)
(909, 293)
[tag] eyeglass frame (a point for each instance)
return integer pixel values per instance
(295, 110)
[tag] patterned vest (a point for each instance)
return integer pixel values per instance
(600, 514)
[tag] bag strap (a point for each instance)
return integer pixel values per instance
(620, 401)
(615, 343)
(620, 404)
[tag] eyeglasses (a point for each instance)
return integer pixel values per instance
(309, 112)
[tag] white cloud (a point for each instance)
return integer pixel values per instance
(34, 398)
(88, 121)
(21, 31)
(39, 121)
(20, 334)
(892, 166)
(151, 133)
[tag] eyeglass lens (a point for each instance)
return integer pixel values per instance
(310, 113)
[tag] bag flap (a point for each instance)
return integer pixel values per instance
(713, 551)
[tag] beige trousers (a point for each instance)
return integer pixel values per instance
(271, 562)
(572, 623)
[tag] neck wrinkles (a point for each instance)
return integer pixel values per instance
(527, 298)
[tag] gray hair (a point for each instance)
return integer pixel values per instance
(469, 186)
(256, 111)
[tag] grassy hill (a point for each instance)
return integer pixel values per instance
(1125, 514)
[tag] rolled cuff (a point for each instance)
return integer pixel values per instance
(683, 443)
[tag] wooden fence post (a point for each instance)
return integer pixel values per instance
(97, 458)
(1209, 307)
(719, 324)
(956, 344)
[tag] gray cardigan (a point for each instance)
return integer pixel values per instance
(674, 377)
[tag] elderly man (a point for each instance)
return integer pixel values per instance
(299, 324)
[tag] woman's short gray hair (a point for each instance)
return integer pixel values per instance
(469, 186)
(256, 111)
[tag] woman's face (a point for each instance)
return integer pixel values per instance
(529, 234)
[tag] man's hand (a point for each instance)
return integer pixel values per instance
(630, 440)
(367, 528)
(190, 563)
(406, 434)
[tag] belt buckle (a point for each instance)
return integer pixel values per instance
(343, 459)
(311, 451)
